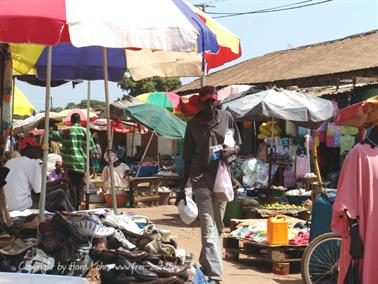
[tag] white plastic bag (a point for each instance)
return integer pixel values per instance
(189, 212)
(222, 190)
(229, 140)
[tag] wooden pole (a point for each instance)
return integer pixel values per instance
(45, 146)
(109, 130)
(88, 146)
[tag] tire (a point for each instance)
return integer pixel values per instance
(333, 257)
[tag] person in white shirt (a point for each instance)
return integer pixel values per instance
(25, 176)
(24, 183)
(119, 170)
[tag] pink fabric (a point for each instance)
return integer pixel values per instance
(358, 192)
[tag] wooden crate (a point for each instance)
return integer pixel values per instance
(274, 254)
(234, 248)
(231, 248)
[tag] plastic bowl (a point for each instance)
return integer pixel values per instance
(121, 199)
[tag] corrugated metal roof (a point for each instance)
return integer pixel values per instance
(356, 52)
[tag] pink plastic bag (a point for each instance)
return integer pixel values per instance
(301, 167)
(223, 191)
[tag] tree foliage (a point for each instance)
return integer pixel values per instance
(154, 84)
(95, 104)
(57, 109)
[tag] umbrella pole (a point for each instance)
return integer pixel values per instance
(132, 142)
(203, 76)
(11, 122)
(203, 66)
(87, 147)
(271, 157)
(308, 150)
(109, 130)
(145, 152)
(316, 162)
(45, 146)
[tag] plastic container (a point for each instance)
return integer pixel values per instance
(121, 199)
(278, 230)
(281, 268)
(233, 210)
(164, 198)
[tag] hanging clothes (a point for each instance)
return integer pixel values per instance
(358, 193)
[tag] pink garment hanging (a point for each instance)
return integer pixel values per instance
(358, 192)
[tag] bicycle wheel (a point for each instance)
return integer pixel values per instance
(320, 262)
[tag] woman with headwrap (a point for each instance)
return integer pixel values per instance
(355, 211)
(119, 170)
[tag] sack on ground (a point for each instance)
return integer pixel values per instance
(223, 191)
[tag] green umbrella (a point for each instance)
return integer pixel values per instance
(157, 119)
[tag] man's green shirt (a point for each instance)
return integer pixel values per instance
(74, 141)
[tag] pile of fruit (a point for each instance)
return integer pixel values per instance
(278, 206)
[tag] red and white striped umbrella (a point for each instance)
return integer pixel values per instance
(111, 23)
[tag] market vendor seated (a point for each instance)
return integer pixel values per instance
(56, 173)
(119, 169)
(24, 182)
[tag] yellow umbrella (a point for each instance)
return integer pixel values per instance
(22, 105)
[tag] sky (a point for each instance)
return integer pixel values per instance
(259, 34)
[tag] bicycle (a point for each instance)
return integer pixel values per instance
(320, 261)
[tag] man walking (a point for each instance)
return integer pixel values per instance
(74, 141)
(206, 129)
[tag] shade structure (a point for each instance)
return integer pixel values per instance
(167, 100)
(55, 21)
(362, 114)
(32, 122)
(302, 109)
(147, 63)
(22, 105)
(231, 90)
(117, 109)
(124, 127)
(190, 105)
(142, 59)
(72, 63)
(83, 115)
(158, 119)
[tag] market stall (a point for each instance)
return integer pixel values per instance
(273, 180)
(273, 105)
(160, 122)
(35, 122)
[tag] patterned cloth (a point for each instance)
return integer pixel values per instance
(74, 141)
(6, 91)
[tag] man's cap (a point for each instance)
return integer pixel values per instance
(208, 93)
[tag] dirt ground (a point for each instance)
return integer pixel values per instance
(188, 237)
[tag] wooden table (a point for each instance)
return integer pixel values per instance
(151, 184)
